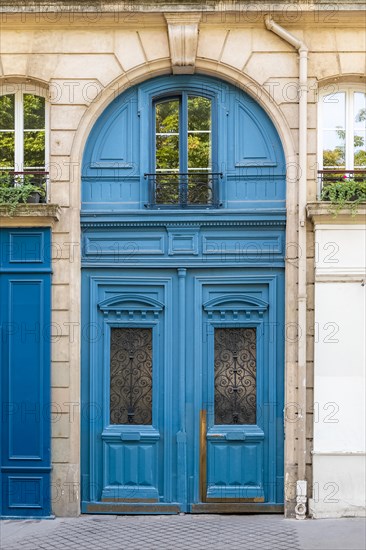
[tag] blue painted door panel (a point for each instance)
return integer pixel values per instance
(161, 463)
(25, 295)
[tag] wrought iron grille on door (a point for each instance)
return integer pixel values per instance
(131, 376)
(235, 376)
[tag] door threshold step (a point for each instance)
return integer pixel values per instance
(129, 508)
(236, 508)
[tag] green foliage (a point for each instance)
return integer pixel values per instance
(344, 194)
(336, 157)
(7, 146)
(360, 158)
(34, 112)
(7, 112)
(16, 190)
(333, 157)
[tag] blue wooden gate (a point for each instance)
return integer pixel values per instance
(25, 318)
(183, 303)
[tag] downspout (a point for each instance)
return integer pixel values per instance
(301, 484)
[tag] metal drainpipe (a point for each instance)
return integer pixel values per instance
(301, 485)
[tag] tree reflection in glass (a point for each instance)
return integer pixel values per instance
(183, 150)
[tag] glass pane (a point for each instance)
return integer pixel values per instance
(167, 152)
(334, 142)
(334, 110)
(167, 188)
(34, 112)
(34, 149)
(360, 149)
(7, 147)
(199, 133)
(199, 189)
(167, 116)
(131, 376)
(360, 110)
(199, 114)
(7, 117)
(235, 376)
(199, 151)
(359, 130)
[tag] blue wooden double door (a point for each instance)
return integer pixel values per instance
(183, 225)
(182, 390)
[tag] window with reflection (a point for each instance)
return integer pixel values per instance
(22, 132)
(343, 130)
(182, 174)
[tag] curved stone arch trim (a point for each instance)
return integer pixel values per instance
(356, 79)
(209, 68)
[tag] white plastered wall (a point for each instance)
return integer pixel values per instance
(339, 459)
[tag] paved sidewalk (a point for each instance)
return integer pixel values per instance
(183, 532)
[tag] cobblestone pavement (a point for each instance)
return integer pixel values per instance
(212, 532)
(163, 533)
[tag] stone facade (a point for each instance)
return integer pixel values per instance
(85, 58)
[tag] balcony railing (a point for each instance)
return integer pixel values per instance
(330, 176)
(183, 190)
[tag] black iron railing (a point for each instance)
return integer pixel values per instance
(184, 190)
(330, 176)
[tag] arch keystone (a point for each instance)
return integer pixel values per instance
(183, 40)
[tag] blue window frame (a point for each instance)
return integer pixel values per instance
(183, 152)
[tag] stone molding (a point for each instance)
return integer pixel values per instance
(319, 213)
(183, 41)
(30, 215)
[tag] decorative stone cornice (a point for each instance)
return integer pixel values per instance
(183, 40)
(30, 215)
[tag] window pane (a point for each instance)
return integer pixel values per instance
(200, 188)
(34, 149)
(7, 147)
(168, 189)
(334, 110)
(167, 116)
(131, 376)
(199, 151)
(199, 133)
(34, 112)
(167, 135)
(334, 130)
(359, 141)
(235, 376)
(199, 114)
(7, 117)
(334, 148)
(167, 153)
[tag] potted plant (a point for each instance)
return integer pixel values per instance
(348, 193)
(16, 190)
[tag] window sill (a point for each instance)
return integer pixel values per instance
(30, 215)
(319, 212)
